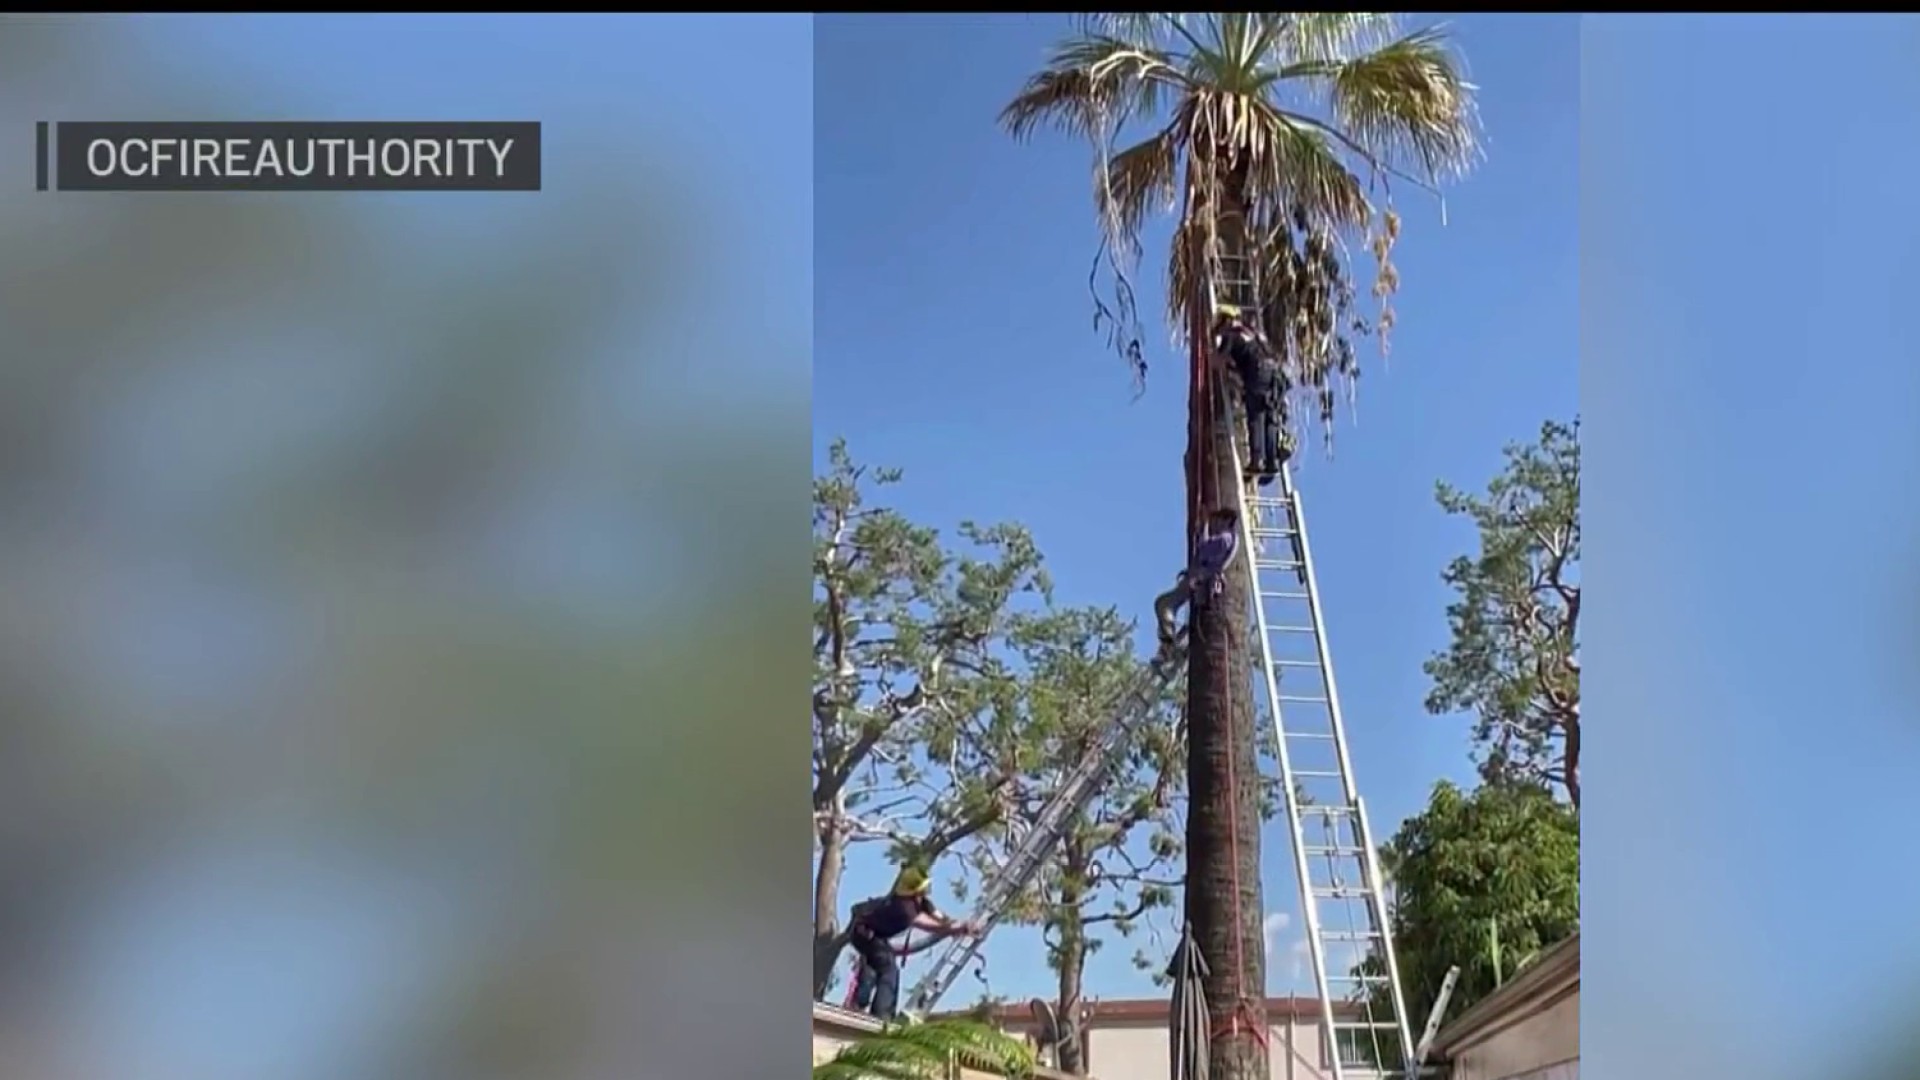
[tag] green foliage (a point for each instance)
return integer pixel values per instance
(1506, 855)
(909, 1051)
(905, 631)
(1514, 656)
(910, 654)
(1112, 866)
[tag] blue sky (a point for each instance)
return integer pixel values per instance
(953, 339)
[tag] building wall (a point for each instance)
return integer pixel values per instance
(1543, 1045)
(1140, 1051)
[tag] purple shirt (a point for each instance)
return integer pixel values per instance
(1215, 550)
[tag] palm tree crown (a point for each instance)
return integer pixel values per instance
(1275, 134)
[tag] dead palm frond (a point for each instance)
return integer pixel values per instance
(910, 1051)
(1280, 135)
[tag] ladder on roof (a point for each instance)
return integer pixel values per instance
(1342, 900)
(1089, 775)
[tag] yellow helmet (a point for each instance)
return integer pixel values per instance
(912, 882)
(1226, 311)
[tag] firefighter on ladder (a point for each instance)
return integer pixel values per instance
(876, 922)
(1262, 391)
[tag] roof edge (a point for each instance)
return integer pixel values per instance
(1544, 975)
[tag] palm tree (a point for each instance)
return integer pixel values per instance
(909, 1051)
(1277, 137)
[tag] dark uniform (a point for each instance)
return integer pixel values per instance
(875, 923)
(1261, 389)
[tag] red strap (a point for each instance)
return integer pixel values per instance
(1234, 1026)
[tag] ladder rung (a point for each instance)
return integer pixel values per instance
(1285, 595)
(1276, 564)
(1357, 978)
(1316, 774)
(1308, 734)
(1313, 849)
(1349, 935)
(1325, 810)
(1278, 534)
(1365, 1025)
(1289, 629)
(1296, 663)
(1306, 699)
(1342, 892)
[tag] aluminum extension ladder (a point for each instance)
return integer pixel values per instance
(1089, 775)
(1334, 859)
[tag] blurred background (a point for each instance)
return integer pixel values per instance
(1752, 423)
(399, 593)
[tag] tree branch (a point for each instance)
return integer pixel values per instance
(1145, 904)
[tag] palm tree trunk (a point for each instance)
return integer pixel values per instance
(1223, 894)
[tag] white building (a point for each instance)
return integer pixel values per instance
(1127, 1039)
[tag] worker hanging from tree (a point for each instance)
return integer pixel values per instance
(1219, 537)
(1262, 392)
(877, 921)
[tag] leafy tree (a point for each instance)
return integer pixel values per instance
(1502, 859)
(906, 645)
(1514, 659)
(1110, 869)
(1267, 131)
(909, 1051)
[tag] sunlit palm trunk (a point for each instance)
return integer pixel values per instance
(1223, 893)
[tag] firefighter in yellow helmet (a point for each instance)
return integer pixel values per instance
(1262, 390)
(876, 922)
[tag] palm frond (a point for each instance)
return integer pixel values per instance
(1408, 103)
(1135, 183)
(1090, 86)
(1162, 31)
(1290, 161)
(1330, 36)
(909, 1051)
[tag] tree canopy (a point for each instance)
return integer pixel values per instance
(1113, 865)
(952, 697)
(1483, 880)
(1513, 660)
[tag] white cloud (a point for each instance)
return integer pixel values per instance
(1272, 927)
(1301, 955)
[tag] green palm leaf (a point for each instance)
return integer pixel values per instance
(910, 1051)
